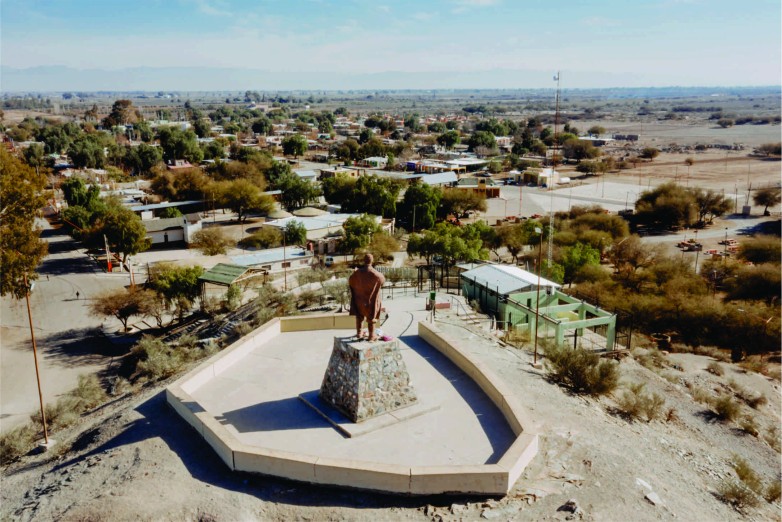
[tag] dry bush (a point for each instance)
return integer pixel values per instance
(715, 368)
(155, 360)
(752, 400)
(772, 438)
(651, 359)
(746, 474)
(670, 377)
(726, 408)
(701, 395)
(119, 386)
(89, 392)
(243, 329)
(755, 363)
(636, 404)
(580, 370)
(749, 426)
(736, 494)
(59, 415)
(773, 491)
(16, 442)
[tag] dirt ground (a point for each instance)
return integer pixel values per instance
(136, 460)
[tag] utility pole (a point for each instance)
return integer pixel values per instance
(537, 300)
(35, 358)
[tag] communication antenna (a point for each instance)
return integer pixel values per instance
(554, 161)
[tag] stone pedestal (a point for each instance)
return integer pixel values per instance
(366, 379)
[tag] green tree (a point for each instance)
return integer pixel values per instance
(761, 249)
(178, 144)
(22, 196)
(450, 242)
(596, 130)
(296, 192)
(266, 237)
(87, 152)
(124, 231)
(143, 158)
(210, 242)
(338, 189)
(578, 150)
(359, 231)
(181, 185)
(242, 196)
(339, 291)
(383, 246)
(576, 257)
(262, 125)
(175, 282)
(418, 209)
(122, 112)
(650, 153)
(373, 195)
(35, 157)
(295, 233)
(295, 145)
(458, 202)
(710, 203)
(666, 206)
(482, 139)
(436, 127)
(449, 138)
(767, 197)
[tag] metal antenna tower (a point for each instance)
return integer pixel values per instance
(554, 161)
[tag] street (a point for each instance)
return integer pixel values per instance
(68, 336)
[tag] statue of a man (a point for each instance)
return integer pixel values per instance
(365, 289)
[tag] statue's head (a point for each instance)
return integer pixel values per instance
(368, 259)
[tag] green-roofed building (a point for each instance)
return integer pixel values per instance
(215, 281)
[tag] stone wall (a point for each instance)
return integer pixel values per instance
(366, 379)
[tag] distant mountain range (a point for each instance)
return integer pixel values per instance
(61, 79)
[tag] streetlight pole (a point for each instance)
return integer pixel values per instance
(537, 300)
(35, 358)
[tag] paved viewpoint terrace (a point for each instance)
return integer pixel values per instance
(245, 402)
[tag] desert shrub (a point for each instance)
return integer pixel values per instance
(155, 359)
(636, 404)
(59, 415)
(726, 408)
(746, 474)
(308, 298)
(650, 359)
(243, 329)
(755, 364)
(773, 491)
(701, 395)
(715, 368)
(751, 399)
(211, 242)
(749, 426)
(670, 377)
(88, 392)
(233, 298)
(671, 415)
(580, 370)
(119, 386)
(736, 494)
(16, 442)
(772, 438)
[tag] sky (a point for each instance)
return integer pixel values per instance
(597, 43)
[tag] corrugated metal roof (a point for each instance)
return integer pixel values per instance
(440, 178)
(272, 255)
(223, 274)
(505, 279)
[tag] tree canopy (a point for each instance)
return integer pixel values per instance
(21, 249)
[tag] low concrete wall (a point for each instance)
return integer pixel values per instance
(490, 479)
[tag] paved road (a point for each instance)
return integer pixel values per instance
(64, 328)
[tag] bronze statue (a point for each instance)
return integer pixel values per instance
(365, 289)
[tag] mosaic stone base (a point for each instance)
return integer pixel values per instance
(366, 379)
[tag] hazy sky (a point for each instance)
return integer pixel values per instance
(637, 42)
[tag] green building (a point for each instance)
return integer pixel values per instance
(515, 297)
